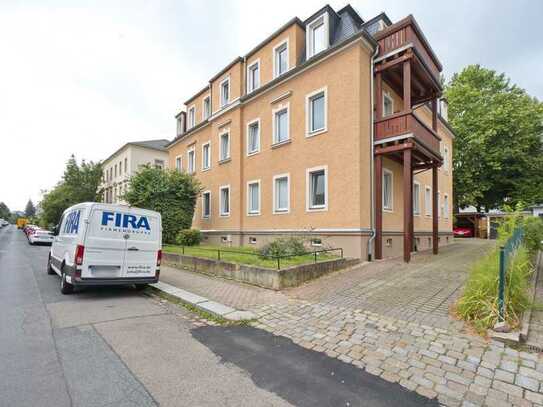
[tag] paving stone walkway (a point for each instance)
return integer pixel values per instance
(392, 320)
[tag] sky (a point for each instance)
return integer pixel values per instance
(85, 77)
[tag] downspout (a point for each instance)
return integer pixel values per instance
(372, 166)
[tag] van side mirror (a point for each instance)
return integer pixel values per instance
(55, 230)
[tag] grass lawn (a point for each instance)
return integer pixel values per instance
(233, 255)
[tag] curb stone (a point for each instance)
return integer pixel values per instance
(204, 304)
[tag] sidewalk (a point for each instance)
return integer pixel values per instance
(392, 320)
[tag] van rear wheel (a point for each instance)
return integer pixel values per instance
(65, 287)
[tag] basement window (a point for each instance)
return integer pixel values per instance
(316, 242)
(252, 240)
(389, 242)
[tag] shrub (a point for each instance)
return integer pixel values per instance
(285, 246)
(189, 237)
(533, 234)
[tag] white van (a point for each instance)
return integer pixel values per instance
(106, 244)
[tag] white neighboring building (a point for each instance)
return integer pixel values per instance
(119, 166)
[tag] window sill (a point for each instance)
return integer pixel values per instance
(281, 143)
(281, 212)
(388, 210)
(317, 209)
(224, 215)
(253, 214)
(253, 153)
(205, 217)
(206, 169)
(316, 133)
(225, 160)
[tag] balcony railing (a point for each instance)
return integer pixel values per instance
(407, 123)
(404, 33)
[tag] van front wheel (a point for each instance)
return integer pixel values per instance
(65, 287)
(49, 267)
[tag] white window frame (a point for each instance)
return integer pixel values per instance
(391, 208)
(204, 115)
(308, 206)
(179, 159)
(281, 211)
(324, 19)
(279, 109)
(221, 211)
(249, 124)
(191, 150)
(223, 158)
(208, 144)
(309, 113)
(446, 159)
(250, 85)
(191, 117)
(387, 95)
(257, 212)
(203, 206)
(427, 205)
(446, 206)
(221, 96)
(417, 184)
(274, 57)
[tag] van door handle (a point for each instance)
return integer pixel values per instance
(134, 249)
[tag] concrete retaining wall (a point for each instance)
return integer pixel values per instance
(262, 277)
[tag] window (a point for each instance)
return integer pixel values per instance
(192, 116)
(225, 200)
(280, 125)
(178, 163)
(253, 76)
(225, 92)
(316, 242)
(206, 108)
(225, 146)
(253, 198)
(446, 206)
(316, 112)
(388, 104)
(317, 35)
(206, 204)
(191, 158)
(416, 198)
(206, 156)
(125, 165)
(281, 194)
(120, 167)
(428, 201)
(446, 159)
(159, 164)
(280, 59)
(387, 190)
(115, 170)
(253, 137)
(180, 125)
(317, 188)
(252, 240)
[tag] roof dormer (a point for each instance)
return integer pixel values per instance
(317, 34)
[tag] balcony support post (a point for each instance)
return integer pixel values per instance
(412, 223)
(407, 85)
(435, 209)
(407, 205)
(434, 114)
(378, 207)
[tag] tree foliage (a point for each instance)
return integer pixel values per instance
(79, 183)
(4, 211)
(169, 192)
(498, 147)
(30, 209)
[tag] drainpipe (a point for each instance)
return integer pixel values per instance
(372, 167)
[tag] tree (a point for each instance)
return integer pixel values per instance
(30, 209)
(169, 192)
(498, 147)
(78, 184)
(4, 211)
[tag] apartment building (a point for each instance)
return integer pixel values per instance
(332, 127)
(119, 166)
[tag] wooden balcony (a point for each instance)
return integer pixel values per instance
(406, 125)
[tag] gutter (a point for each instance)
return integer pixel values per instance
(372, 156)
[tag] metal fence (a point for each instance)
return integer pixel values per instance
(220, 254)
(506, 251)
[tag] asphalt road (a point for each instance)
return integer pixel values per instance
(118, 347)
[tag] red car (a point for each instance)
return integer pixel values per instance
(462, 232)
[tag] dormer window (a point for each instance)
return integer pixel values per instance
(225, 92)
(192, 117)
(206, 108)
(180, 125)
(280, 59)
(317, 35)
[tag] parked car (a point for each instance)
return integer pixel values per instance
(40, 236)
(29, 229)
(106, 244)
(462, 232)
(3, 223)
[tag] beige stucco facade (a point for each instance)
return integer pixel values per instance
(343, 149)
